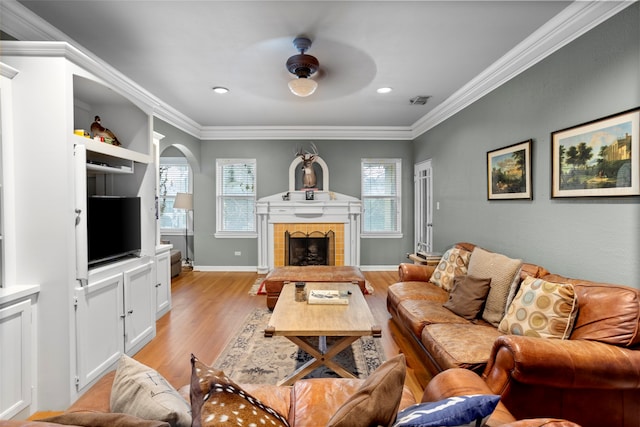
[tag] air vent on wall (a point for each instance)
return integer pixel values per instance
(419, 100)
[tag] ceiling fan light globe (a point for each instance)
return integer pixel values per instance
(303, 86)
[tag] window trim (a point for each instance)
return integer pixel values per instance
(398, 184)
(178, 161)
(225, 234)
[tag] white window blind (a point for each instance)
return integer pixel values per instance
(236, 188)
(381, 197)
(175, 177)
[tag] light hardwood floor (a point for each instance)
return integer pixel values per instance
(208, 308)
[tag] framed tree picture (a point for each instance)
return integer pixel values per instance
(509, 172)
(598, 158)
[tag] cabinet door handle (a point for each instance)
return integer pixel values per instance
(130, 312)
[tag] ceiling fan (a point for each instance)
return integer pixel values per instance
(303, 66)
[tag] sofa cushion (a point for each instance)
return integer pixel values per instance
(453, 263)
(401, 291)
(415, 314)
(541, 309)
(606, 313)
(502, 270)
(141, 391)
(472, 410)
(376, 402)
(216, 400)
(467, 296)
(459, 345)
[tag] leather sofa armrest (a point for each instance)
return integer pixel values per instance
(561, 363)
(460, 382)
(97, 398)
(415, 272)
(541, 422)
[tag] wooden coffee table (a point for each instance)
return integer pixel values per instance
(298, 320)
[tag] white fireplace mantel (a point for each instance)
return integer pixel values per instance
(327, 207)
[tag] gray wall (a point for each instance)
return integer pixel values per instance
(592, 238)
(273, 160)
(174, 144)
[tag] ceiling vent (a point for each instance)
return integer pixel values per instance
(419, 100)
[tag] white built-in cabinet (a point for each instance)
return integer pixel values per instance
(86, 317)
(115, 314)
(18, 308)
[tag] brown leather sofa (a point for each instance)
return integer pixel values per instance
(592, 378)
(307, 403)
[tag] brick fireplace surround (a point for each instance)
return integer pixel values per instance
(279, 244)
(328, 211)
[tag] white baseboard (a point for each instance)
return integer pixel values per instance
(254, 268)
(251, 268)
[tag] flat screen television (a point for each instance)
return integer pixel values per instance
(113, 228)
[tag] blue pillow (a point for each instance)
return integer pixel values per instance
(469, 410)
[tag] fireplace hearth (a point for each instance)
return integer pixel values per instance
(315, 248)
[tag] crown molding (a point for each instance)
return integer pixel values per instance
(306, 132)
(8, 71)
(575, 20)
(120, 83)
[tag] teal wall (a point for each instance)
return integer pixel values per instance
(593, 238)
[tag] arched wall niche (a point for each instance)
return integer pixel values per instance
(295, 174)
(187, 153)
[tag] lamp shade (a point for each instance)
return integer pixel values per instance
(303, 86)
(183, 201)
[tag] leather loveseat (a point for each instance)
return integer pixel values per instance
(307, 403)
(592, 378)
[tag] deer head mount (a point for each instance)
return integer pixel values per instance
(308, 173)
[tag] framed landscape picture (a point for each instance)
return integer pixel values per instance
(509, 172)
(599, 158)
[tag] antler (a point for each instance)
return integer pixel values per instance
(303, 154)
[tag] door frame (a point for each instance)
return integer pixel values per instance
(423, 204)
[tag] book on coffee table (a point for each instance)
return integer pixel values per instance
(322, 296)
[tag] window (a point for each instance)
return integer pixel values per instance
(175, 177)
(381, 198)
(236, 198)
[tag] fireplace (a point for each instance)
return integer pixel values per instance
(315, 248)
(291, 212)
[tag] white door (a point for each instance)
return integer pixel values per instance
(140, 308)
(99, 327)
(423, 205)
(163, 283)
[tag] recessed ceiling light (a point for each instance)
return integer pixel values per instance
(220, 89)
(384, 90)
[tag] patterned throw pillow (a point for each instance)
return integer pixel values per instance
(502, 270)
(471, 410)
(541, 309)
(217, 401)
(141, 391)
(453, 263)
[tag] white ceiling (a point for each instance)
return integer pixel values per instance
(179, 50)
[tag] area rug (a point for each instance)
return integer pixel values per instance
(258, 287)
(249, 357)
